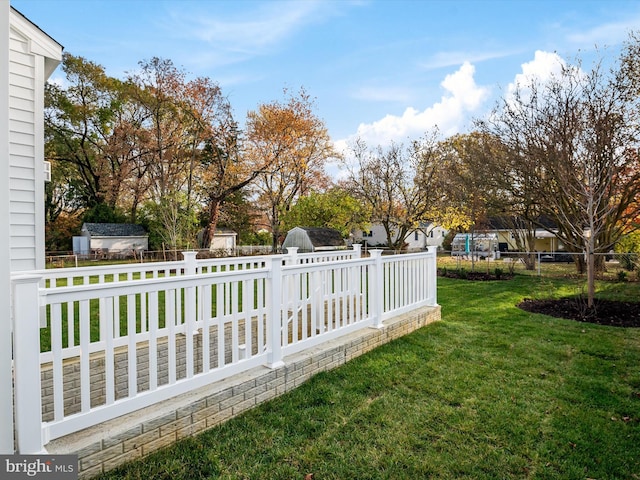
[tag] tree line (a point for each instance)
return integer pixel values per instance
(159, 149)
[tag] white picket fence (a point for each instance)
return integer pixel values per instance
(117, 339)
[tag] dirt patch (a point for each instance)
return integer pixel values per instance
(605, 312)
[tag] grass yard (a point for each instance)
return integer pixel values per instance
(491, 392)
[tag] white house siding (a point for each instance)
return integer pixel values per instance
(23, 175)
(416, 240)
(27, 57)
(6, 367)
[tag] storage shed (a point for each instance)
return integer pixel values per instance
(224, 241)
(115, 237)
(313, 239)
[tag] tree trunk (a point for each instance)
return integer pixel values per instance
(590, 273)
(214, 215)
(275, 229)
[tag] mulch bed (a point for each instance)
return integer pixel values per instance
(605, 312)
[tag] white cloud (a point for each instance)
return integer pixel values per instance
(248, 34)
(543, 67)
(607, 34)
(463, 97)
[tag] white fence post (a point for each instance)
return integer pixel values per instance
(292, 258)
(274, 309)
(376, 288)
(26, 343)
(357, 250)
(190, 309)
(432, 276)
(189, 262)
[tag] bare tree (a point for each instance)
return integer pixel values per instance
(397, 184)
(571, 138)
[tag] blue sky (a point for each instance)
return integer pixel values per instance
(380, 69)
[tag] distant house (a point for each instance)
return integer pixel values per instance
(427, 235)
(313, 239)
(115, 237)
(546, 239)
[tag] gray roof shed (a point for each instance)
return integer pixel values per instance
(312, 239)
(114, 230)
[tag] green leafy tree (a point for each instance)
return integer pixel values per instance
(79, 120)
(335, 208)
(628, 248)
(174, 226)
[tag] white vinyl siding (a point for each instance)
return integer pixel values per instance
(27, 57)
(22, 154)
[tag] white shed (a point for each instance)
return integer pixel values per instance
(224, 241)
(28, 56)
(115, 237)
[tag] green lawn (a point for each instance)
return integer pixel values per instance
(490, 392)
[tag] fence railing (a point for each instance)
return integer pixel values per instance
(108, 347)
(56, 277)
(69, 259)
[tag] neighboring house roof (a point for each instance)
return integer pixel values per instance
(114, 230)
(508, 223)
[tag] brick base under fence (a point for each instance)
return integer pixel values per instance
(108, 445)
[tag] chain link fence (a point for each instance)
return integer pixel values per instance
(609, 266)
(103, 256)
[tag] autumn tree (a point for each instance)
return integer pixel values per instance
(160, 93)
(479, 186)
(78, 119)
(291, 145)
(573, 137)
(226, 170)
(193, 145)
